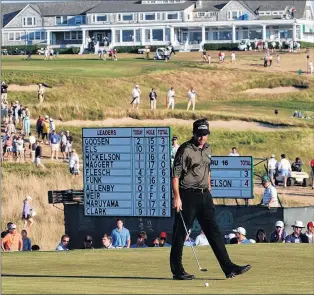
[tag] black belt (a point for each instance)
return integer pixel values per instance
(196, 190)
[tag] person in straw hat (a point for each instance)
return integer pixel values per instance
(297, 236)
(28, 212)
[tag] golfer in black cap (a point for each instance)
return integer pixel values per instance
(192, 196)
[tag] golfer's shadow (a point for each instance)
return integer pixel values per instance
(99, 277)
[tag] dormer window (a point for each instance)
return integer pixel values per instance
(78, 19)
(61, 20)
(29, 21)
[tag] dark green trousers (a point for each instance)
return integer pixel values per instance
(197, 204)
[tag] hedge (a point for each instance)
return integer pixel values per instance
(306, 44)
(34, 48)
(221, 46)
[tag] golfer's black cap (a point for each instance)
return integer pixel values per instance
(201, 127)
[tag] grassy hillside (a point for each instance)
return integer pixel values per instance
(95, 89)
(146, 271)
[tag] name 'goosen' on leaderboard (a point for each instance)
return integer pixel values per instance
(97, 141)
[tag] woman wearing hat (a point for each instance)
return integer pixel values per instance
(297, 236)
(28, 213)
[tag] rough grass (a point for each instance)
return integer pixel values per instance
(146, 271)
(90, 89)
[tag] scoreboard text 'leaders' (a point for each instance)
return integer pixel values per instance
(127, 171)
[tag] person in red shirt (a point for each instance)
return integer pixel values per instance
(312, 172)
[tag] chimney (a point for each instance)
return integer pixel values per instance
(199, 4)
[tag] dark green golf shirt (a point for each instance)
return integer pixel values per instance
(192, 165)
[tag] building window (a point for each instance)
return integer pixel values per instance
(37, 35)
(150, 16)
(167, 35)
(127, 17)
(17, 36)
(79, 35)
(43, 35)
(201, 14)
(73, 35)
(127, 35)
(147, 35)
(158, 16)
(31, 36)
(141, 16)
(61, 20)
(67, 35)
(102, 18)
(172, 16)
(158, 34)
(29, 21)
(233, 15)
(78, 20)
(11, 36)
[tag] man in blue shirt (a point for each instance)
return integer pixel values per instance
(297, 236)
(121, 236)
(279, 234)
(240, 233)
(54, 143)
(141, 238)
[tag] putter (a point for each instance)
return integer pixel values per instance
(198, 264)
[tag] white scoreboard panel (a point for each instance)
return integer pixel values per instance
(232, 177)
(127, 171)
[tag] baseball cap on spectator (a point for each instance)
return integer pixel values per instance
(265, 179)
(298, 223)
(29, 198)
(240, 230)
(163, 235)
(46, 116)
(51, 119)
(310, 224)
(273, 156)
(175, 138)
(279, 224)
(12, 226)
(68, 131)
(9, 224)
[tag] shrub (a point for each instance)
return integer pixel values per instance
(221, 46)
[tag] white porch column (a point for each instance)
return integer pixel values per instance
(294, 32)
(264, 32)
(143, 36)
(301, 32)
(234, 34)
(84, 38)
(172, 36)
(48, 37)
(203, 35)
(113, 37)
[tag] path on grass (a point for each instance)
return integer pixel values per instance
(233, 125)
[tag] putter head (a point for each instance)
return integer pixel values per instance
(203, 269)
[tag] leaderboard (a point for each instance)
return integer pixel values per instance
(127, 171)
(232, 177)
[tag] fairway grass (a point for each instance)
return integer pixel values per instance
(276, 269)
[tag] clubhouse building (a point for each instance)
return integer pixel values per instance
(185, 23)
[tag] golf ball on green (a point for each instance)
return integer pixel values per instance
(206, 284)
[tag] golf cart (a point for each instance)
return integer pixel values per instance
(300, 178)
(245, 45)
(160, 53)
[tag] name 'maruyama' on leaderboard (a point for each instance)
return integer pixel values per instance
(127, 171)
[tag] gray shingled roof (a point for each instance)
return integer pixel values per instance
(134, 6)
(279, 5)
(9, 11)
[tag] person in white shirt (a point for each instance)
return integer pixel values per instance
(233, 56)
(311, 67)
(234, 152)
(272, 167)
(32, 146)
(201, 240)
(136, 92)
(74, 164)
(310, 231)
(270, 197)
(285, 168)
(191, 99)
(171, 95)
(174, 148)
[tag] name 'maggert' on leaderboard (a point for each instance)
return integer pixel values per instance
(127, 171)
